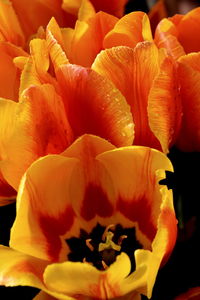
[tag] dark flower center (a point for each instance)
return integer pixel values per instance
(101, 246)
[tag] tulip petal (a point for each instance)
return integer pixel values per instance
(10, 29)
(164, 105)
(113, 7)
(50, 212)
(127, 69)
(137, 187)
(89, 281)
(9, 74)
(129, 30)
(94, 105)
(191, 294)
(166, 36)
(20, 269)
(43, 127)
(189, 74)
(37, 13)
(88, 38)
(55, 44)
(188, 28)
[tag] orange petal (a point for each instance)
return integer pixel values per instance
(88, 38)
(43, 296)
(37, 13)
(43, 127)
(44, 213)
(129, 30)
(127, 68)
(189, 75)
(55, 44)
(166, 37)
(164, 105)
(113, 7)
(157, 13)
(20, 269)
(36, 68)
(94, 105)
(10, 29)
(188, 31)
(9, 74)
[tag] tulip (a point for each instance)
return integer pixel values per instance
(92, 222)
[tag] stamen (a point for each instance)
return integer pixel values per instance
(104, 265)
(121, 238)
(88, 244)
(112, 226)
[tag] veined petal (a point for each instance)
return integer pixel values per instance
(89, 281)
(166, 37)
(51, 214)
(189, 75)
(129, 30)
(43, 296)
(94, 105)
(55, 44)
(88, 38)
(37, 13)
(188, 31)
(43, 127)
(9, 74)
(10, 29)
(20, 269)
(127, 69)
(136, 185)
(164, 105)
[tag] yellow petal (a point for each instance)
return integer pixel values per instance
(129, 30)
(10, 29)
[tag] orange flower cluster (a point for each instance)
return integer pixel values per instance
(90, 105)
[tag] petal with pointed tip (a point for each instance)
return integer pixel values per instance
(94, 105)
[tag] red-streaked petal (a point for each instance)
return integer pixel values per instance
(44, 213)
(189, 75)
(94, 182)
(136, 184)
(164, 105)
(41, 121)
(129, 30)
(88, 38)
(9, 74)
(10, 29)
(20, 269)
(94, 105)
(127, 69)
(188, 31)
(166, 37)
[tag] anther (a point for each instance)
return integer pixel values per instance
(88, 244)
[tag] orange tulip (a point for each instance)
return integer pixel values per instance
(119, 207)
(179, 35)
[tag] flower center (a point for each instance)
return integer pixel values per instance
(101, 246)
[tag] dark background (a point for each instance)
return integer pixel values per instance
(183, 268)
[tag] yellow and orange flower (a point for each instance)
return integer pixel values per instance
(180, 36)
(110, 200)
